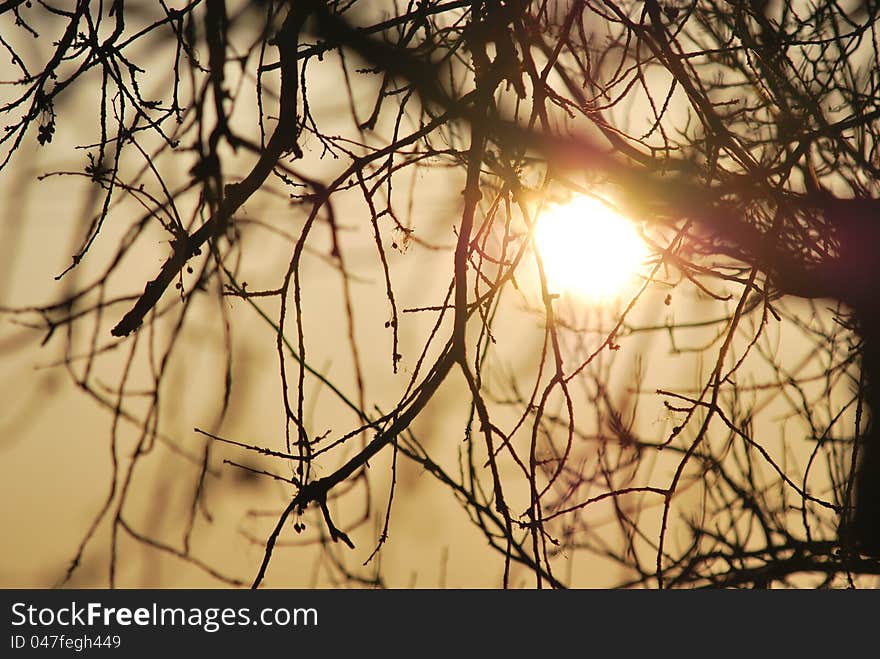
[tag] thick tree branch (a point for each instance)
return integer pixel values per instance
(282, 141)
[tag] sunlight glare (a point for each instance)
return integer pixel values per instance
(589, 250)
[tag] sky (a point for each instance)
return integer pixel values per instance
(62, 447)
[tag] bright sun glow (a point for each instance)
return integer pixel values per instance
(589, 250)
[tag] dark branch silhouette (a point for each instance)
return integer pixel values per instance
(712, 428)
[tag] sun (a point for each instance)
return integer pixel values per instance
(589, 250)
